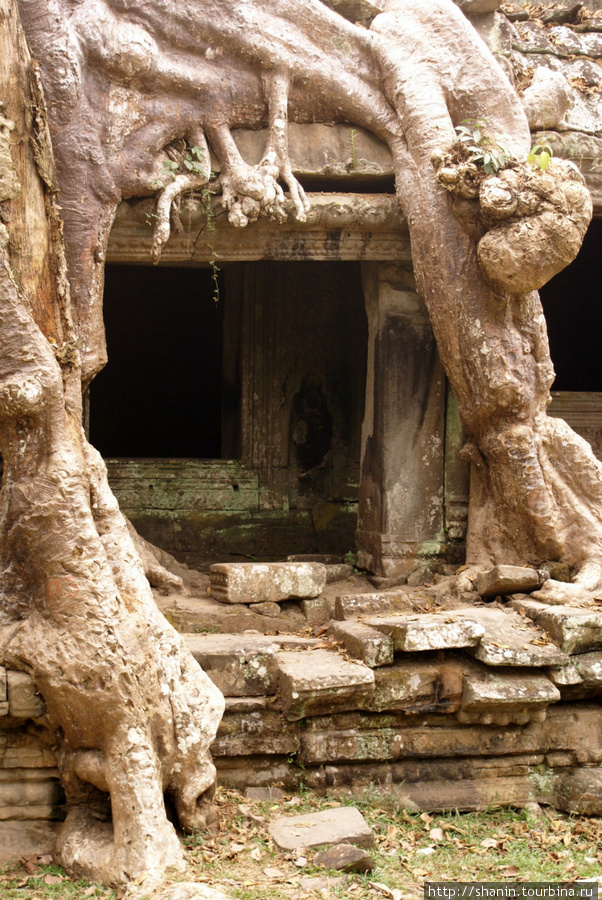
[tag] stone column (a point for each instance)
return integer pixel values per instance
(401, 492)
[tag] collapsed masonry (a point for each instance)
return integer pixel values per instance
(489, 697)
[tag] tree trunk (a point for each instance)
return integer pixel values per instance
(134, 713)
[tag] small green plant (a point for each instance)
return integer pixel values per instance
(540, 156)
(483, 149)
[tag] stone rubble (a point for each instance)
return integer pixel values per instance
(507, 580)
(443, 631)
(344, 858)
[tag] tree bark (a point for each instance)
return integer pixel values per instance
(134, 713)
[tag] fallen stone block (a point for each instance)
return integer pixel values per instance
(504, 698)
(24, 702)
(261, 582)
(418, 686)
(239, 665)
(416, 633)
(321, 682)
(368, 644)
(507, 580)
(351, 606)
(344, 858)
(264, 793)
(511, 639)
(344, 824)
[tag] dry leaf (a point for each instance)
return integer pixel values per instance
(53, 879)
(426, 818)
(236, 848)
(90, 891)
(489, 843)
(510, 872)
(301, 861)
(272, 872)
(29, 866)
(256, 854)
(436, 834)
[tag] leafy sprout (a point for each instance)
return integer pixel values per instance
(484, 150)
(540, 155)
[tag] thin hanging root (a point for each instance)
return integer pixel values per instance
(182, 183)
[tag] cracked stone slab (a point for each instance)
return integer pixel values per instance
(368, 644)
(573, 628)
(504, 698)
(511, 639)
(266, 582)
(341, 825)
(241, 665)
(565, 676)
(502, 580)
(351, 606)
(418, 686)
(320, 682)
(412, 634)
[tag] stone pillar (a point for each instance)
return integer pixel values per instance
(401, 492)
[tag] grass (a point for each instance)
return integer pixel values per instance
(410, 848)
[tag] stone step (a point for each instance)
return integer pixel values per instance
(438, 631)
(266, 582)
(511, 639)
(368, 644)
(255, 732)
(574, 629)
(242, 665)
(351, 606)
(504, 698)
(319, 682)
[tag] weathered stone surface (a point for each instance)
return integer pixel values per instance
(418, 686)
(258, 732)
(23, 700)
(316, 611)
(429, 632)
(575, 630)
(259, 582)
(242, 772)
(580, 792)
(266, 608)
(565, 675)
(350, 606)
(3, 696)
(368, 644)
(239, 665)
(589, 667)
(345, 858)
(478, 7)
(338, 572)
(23, 750)
(571, 727)
(507, 580)
(26, 839)
(344, 824)
(320, 681)
(511, 639)
(24, 799)
(501, 698)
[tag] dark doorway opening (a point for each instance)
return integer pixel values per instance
(572, 303)
(160, 394)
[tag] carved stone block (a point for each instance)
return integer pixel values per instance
(260, 582)
(23, 700)
(320, 682)
(413, 634)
